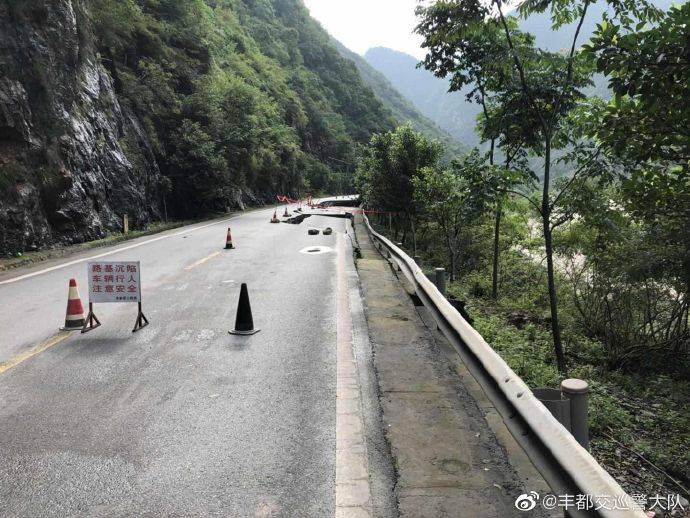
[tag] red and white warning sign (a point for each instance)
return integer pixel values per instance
(114, 282)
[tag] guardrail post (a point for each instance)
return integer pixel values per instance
(441, 280)
(556, 403)
(418, 260)
(397, 264)
(577, 391)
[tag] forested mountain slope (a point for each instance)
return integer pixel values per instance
(401, 107)
(427, 93)
(122, 106)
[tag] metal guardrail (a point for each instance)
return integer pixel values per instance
(567, 467)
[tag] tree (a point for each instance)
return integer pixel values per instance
(466, 47)
(643, 131)
(388, 167)
(463, 46)
(452, 198)
(648, 71)
(198, 172)
(646, 127)
(565, 75)
(507, 124)
(442, 193)
(544, 88)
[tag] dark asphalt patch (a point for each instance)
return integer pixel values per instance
(296, 220)
(316, 250)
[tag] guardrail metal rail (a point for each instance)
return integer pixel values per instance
(567, 467)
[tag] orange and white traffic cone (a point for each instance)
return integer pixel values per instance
(228, 241)
(74, 320)
(275, 219)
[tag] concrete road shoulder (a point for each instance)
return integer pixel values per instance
(452, 454)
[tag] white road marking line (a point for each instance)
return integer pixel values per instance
(111, 252)
(352, 489)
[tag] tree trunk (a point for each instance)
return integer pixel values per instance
(414, 237)
(548, 245)
(451, 257)
(497, 229)
(403, 224)
(497, 236)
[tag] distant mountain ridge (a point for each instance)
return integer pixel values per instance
(400, 105)
(428, 94)
(451, 111)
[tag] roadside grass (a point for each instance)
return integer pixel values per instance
(30, 258)
(639, 421)
(10, 262)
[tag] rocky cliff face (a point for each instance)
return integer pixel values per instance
(72, 159)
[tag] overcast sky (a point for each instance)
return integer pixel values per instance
(362, 24)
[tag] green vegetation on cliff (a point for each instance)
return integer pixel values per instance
(236, 95)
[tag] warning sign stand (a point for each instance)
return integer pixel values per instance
(142, 321)
(91, 321)
(112, 282)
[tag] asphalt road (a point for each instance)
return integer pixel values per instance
(180, 418)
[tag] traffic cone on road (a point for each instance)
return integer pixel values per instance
(286, 214)
(228, 241)
(74, 320)
(244, 322)
(275, 219)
